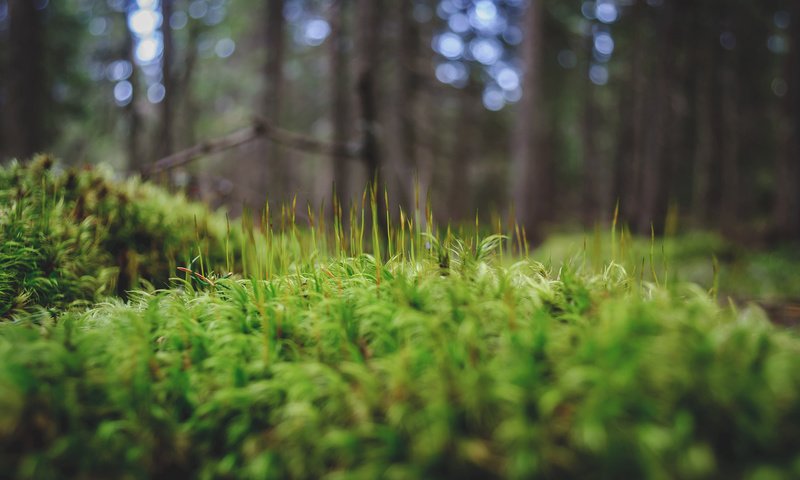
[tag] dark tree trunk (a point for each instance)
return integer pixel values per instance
(794, 220)
(731, 196)
(340, 101)
(25, 98)
(593, 172)
(166, 142)
(655, 160)
(190, 108)
(407, 97)
(631, 179)
(4, 48)
(369, 24)
(135, 161)
(465, 146)
(787, 171)
(275, 173)
(531, 174)
(704, 131)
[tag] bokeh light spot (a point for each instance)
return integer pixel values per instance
(316, 31)
(606, 11)
(780, 87)
(782, 19)
(198, 9)
(598, 74)
(508, 79)
(450, 45)
(485, 50)
(225, 48)
(178, 20)
(604, 44)
(123, 93)
(97, 26)
(156, 93)
(148, 50)
(493, 99)
(119, 70)
(143, 22)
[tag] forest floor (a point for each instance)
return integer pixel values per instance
(142, 336)
(732, 272)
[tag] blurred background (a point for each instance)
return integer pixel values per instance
(683, 112)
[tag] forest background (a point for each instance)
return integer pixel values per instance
(683, 112)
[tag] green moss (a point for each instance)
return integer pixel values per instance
(74, 236)
(445, 358)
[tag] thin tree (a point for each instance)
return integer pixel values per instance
(135, 160)
(340, 101)
(368, 46)
(274, 41)
(531, 172)
(787, 168)
(25, 80)
(407, 97)
(166, 142)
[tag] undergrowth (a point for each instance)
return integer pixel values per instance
(75, 236)
(340, 351)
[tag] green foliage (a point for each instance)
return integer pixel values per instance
(445, 357)
(743, 273)
(74, 236)
(335, 371)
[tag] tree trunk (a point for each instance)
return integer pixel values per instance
(191, 110)
(787, 171)
(369, 22)
(4, 48)
(407, 100)
(730, 206)
(135, 161)
(530, 171)
(655, 166)
(592, 174)
(465, 143)
(704, 129)
(25, 81)
(275, 172)
(166, 144)
(340, 101)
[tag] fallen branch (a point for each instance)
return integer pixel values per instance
(259, 129)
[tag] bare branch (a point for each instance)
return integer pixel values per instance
(259, 129)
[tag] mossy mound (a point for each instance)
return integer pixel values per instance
(348, 370)
(72, 236)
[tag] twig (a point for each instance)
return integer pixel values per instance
(260, 128)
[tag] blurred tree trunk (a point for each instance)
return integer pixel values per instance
(704, 131)
(531, 172)
(639, 115)
(407, 100)
(166, 143)
(368, 45)
(4, 49)
(465, 146)
(592, 175)
(189, 107)
(275, 173)
(25, 81)
(340, 103)
(654, 189)
(731, 196)
(135, 161)
(787, 169)
(626, 183)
